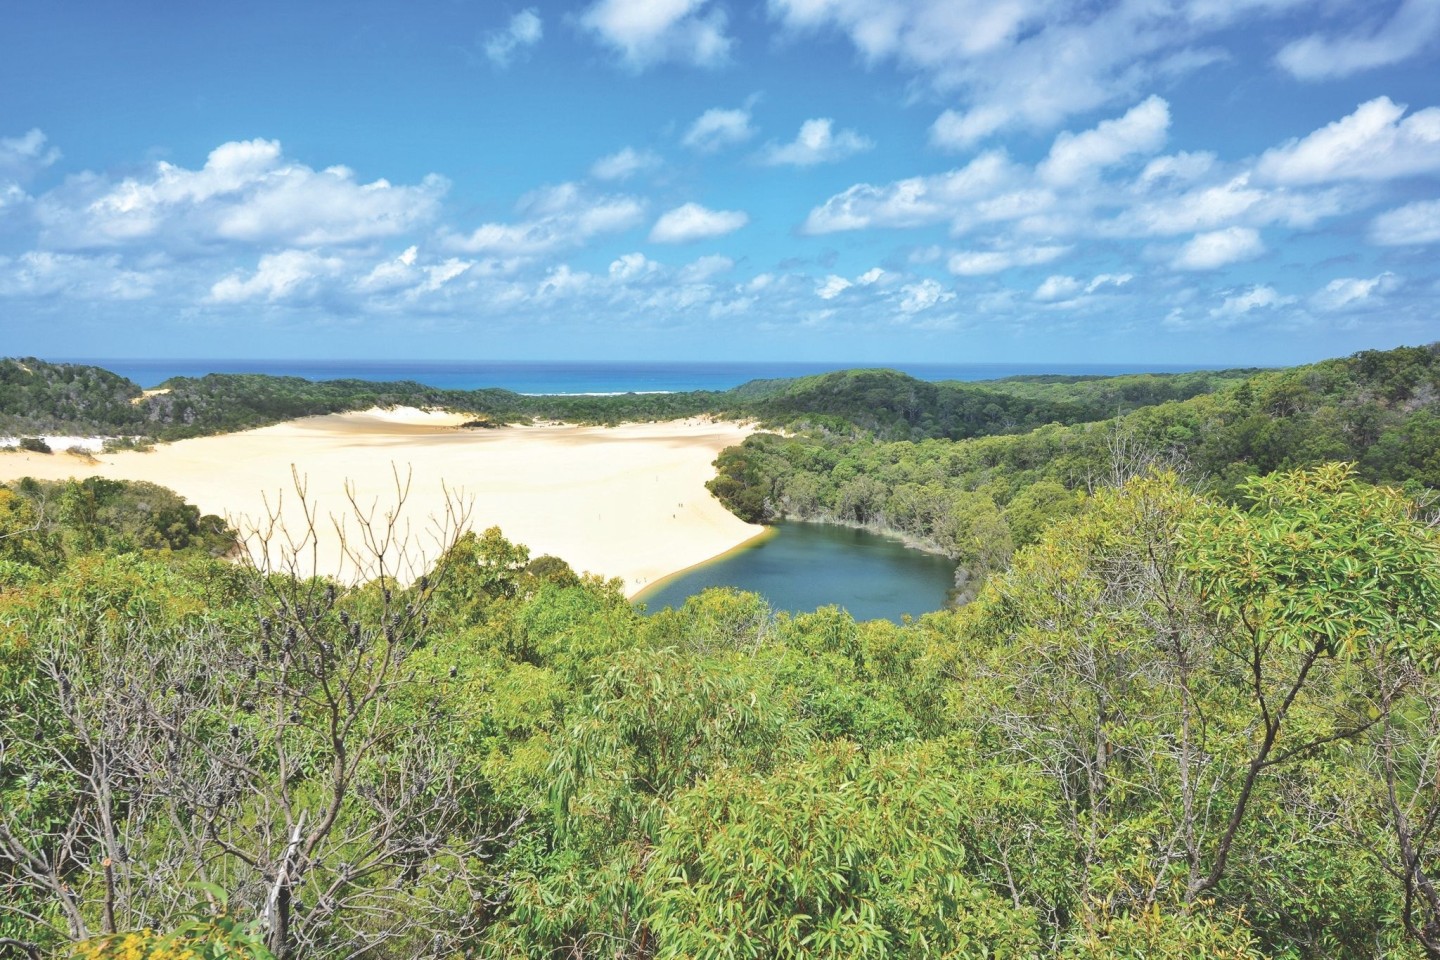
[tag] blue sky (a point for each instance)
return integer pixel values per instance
(1168, 181)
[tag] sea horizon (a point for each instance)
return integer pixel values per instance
(554, 378)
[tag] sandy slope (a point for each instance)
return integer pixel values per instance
(627, 501)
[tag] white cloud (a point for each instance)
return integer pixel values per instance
(624, 164)
(555, 218)
(1258, 297)
(817, 142)
(694, 222)
(646, 32)
(928, 34)
(439, 274)
(706, 268)
(916, 201)
(1235, 201)
(1027, 63)
(917, 297)
(873, 275)
(717, 128)
(975, 263)
(279, 276)
(562, 282)
(23, 156)
(1108, 280)
(1208, 251)
(522, 32)
(831, 287)
(1351, 293)
(633, 266)
(11, 196)
(1058, 287)
(245, 193)
(392, 274)
(1076, 157)
(42, 273)
(1414, 223)
(953, 130)
(1316, 57)
(1372, 143)
(1183, 167)
(402, 273)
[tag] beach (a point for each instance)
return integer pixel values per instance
(627, 501)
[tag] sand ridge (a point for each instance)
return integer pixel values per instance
(627, 501)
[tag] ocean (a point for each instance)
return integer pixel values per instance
(536, 377)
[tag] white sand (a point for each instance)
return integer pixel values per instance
(627, 501)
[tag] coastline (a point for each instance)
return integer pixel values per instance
(627, 501)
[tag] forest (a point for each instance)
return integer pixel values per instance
(1189, 708)
(37, 397)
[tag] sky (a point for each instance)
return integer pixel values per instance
(1166, 181)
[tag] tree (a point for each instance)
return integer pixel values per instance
(1320, 569)
(283, 749)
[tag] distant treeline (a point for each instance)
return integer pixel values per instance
(39, 397)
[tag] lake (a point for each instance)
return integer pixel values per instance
(802, 566)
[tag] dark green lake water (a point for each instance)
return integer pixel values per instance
(808, 565)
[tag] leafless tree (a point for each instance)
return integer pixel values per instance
(298, 762)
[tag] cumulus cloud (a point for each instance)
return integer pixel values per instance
(694, 222)
(706, 268)
(831, 287)
(1352, 293)
(873, 275)
(1078, 156)
(632, 266)
(561, 281)
(915, 201)
(957, 130)
(245, 193)
(926, 34)
(918, 297)
(1258, 297)
(717, 128)
(1027, 64)
(1209, 251)
(24, 156)
(1415, 223)
(817, 142)
(1058, 287)
(279, 276)
(1177, 168)
(554, 218)
(1108, 280)
(646, 32)
(43, 273)
(1373, 143)
(1234, 201)
(523, 31)
(624, 164)
(975, 263)
(1317, 57)
(402, 273)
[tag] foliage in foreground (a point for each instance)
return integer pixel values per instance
(1173, 727)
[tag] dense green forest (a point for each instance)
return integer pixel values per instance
(978, 499)
(40, 397)
(1191, 710)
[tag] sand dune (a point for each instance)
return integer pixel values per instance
(626, 501)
